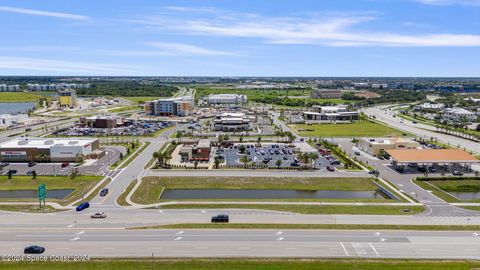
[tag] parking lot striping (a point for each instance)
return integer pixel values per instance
(374, 249)
(344, 249)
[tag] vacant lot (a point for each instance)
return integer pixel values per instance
(250, 264)
(81, 185)
(151, 187)
(362, 128)
(18, 97)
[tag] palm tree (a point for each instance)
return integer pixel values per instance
(278, 163)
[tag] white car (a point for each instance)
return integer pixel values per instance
(99, 215)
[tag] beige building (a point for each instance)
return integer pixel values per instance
(374, 146)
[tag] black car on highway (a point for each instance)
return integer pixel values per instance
(220, 218)
(34, 250)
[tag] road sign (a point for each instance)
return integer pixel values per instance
(42, 194)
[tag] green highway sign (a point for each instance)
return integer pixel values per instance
(42, 194)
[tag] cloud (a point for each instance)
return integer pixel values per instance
(340, 30)
(68, 67)
(171, 49)
(451, 2)
(45, 13)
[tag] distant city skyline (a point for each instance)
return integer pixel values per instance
(362, 38)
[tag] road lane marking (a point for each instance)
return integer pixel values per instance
(377, 233)
(180, 232)
(344, 249)
(374, 249)
(279, 233)
(79, 233)
(178, 238)
(75, 239)
(280, 238)
(475, 234)
(71, 225)
(203, 211)
(160, 211)
(382, 239)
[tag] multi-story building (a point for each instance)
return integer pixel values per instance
(459, 114)
(56, 86)
(9, 87)
(180, 106)
(327, 93)
(49, 149)
(229, 122)
(195, 150)
(67, 98)
(330, 113)
(429, 106)
(226, 99)
(102, 121)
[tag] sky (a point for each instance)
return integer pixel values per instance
(390, 38)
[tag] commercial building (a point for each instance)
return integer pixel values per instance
(51, 149)
(429, 106)
(329, 114)
(428, 157)
(56, 86)
(459, 114)
(7, 120)
(9, 87)
(67, 98)
(379, 86)
(195, 150)
(375, 146)
(327, 93)
(226, 99)
(229, 122)
(180, 106)
(102, 121)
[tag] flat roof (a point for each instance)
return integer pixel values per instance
(431, 156)
(45, 143)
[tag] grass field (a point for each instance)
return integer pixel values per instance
(247, 264)
(124, 109)
(140, 100)
(121, 199)
(310, 209)
(149, 191)
(81, 184)
(276, 226)
(18, 97)
(28, 208)
(362, 128)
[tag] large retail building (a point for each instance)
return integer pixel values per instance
(49, 149)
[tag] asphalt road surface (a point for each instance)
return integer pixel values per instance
(245, 243)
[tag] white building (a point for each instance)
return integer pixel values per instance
(430, 106)
(56, 86)
(229, 122)
(179, 106)
(7, 120)
(226, 99)
(9, 87)
(379, 85)
(459, 114)
(330, 113)
(52, 149)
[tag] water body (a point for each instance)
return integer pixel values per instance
(466, 195)
(269, 194)
(15, 107)
(29, 194)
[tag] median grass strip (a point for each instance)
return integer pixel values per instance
(34, 208)
(96, 191)
(134, 155)
(248, 264)
(81, 185)
(311, 209)
(121, 199)
(276, 226)
(361, 128)
(151, 186)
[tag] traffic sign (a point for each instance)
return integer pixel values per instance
(42, 194)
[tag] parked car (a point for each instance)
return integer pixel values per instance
(99, 215)
(432, 169)
(457, 173)
(357, 153)
(28, 129)
(30, 173)
(294, 164)
(220, 218)
(83, 206)
(32, 163)
(65, 164)
(3, 164)
(103, 192)
(34, 250)
(331, 168)
(12, 171)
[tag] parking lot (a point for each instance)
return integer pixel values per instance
(39, 168)
(130, 128)
(268, 154)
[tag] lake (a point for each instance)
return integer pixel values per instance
(465, 195)
(172, 194)
(15, 107)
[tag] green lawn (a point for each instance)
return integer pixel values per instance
(310, 209)
(140, 100)
(442, 187)
(149, 191)
(18, 97)
(278, 226)
(28, 208)
(361, 128)
(81, 185)
(124, 109)
(121, 199)
(247, 264)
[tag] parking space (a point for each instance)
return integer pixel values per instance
(265, 155)
(39, 168)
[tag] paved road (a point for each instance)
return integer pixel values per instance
(35, 133)
(246, 243)
(419, 129)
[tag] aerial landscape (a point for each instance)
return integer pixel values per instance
(249, 134)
